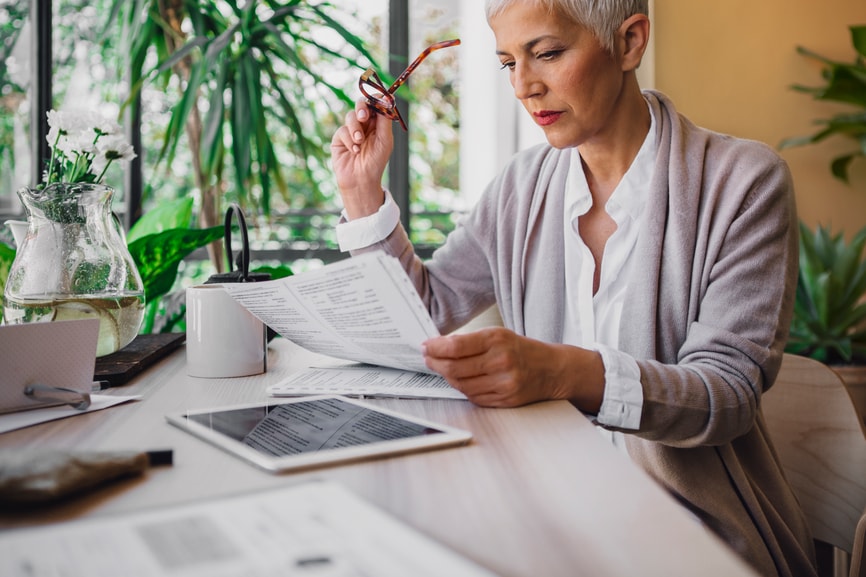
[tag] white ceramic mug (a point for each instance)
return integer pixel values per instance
(223, 339)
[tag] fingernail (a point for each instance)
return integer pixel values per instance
(357, 136)
(362, 115)
(356, 149)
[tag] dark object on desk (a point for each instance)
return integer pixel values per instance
(242, 274)
(28, 478)
(121, 366)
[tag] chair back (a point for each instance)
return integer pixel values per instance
(817, 433)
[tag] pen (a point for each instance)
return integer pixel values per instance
(99, 386)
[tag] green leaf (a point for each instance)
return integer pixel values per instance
(276, 272)
(7, 255)
(858, 39)
(844, 83)
(799, 141)
(166, 215)
(212, 133)
(157, 255)
(829, 321)
(180, 54)
(181, 112)
(839, 166)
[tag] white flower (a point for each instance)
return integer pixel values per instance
(103, 124)
(83, 141)
(115, 147)
(64, 121)
(108, 149)
(83, 145)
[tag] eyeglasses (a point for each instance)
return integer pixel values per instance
(381, 98)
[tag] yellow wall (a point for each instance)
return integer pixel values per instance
(728, 65)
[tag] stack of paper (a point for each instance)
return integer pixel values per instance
(362, 309)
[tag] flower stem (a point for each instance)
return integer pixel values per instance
(51, 162)
(101, 174)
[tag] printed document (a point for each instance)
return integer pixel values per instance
(363, 309)
(365, 381)
(319, 529)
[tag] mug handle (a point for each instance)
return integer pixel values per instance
(244, 265)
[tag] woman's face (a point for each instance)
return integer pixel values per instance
(560, 73)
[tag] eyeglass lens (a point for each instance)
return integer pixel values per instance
(380, 97)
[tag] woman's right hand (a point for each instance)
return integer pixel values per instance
(360, 150)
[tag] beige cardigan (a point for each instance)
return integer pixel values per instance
(706, 317)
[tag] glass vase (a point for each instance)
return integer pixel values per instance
(74, 264)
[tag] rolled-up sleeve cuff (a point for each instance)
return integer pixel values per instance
(368, 230)
(623, 394)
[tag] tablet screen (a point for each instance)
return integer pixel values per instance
(310, 426)
(316, 430)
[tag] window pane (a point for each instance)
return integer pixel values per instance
(434, 140)
(86, 66)
(301, 215)
(14, 103)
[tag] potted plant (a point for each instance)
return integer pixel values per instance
(846, 84)
(829, 311)
(247, 72)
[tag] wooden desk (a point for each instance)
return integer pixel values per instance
(537, 493)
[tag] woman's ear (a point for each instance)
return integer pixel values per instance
(634, 37)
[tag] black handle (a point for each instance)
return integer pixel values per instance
(244, 265)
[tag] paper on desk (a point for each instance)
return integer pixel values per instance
(317, 529)
(365, 381)
(12, 421)
(364, 309)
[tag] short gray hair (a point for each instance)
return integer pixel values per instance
(602, 17)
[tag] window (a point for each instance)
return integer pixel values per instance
(15, 72)
(461, 130)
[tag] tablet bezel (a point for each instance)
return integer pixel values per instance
(448, 436)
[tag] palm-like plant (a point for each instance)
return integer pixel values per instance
(246, 73)
(829, 311)
(845, 83)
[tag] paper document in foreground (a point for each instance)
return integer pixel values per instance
(363, 308)
(365, 381)
(305, 530)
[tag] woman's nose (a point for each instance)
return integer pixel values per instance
(525, 82)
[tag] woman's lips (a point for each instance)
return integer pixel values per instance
(546, 117)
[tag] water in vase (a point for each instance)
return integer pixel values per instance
(119, 316)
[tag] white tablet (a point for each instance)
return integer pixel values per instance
(308, 432)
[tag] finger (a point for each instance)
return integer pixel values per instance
(342, 141)
(460, 369)
(362, 110)
(355, 127)
(455, 346)
(487, 392)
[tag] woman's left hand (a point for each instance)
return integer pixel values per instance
(496, 367)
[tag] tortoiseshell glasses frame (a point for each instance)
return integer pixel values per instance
(381, 97)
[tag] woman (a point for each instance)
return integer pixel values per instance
(644, 268)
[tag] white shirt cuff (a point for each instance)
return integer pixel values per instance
(623, 394)
(365, 231)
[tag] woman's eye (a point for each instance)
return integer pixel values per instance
(549, 55)
(508, 65)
